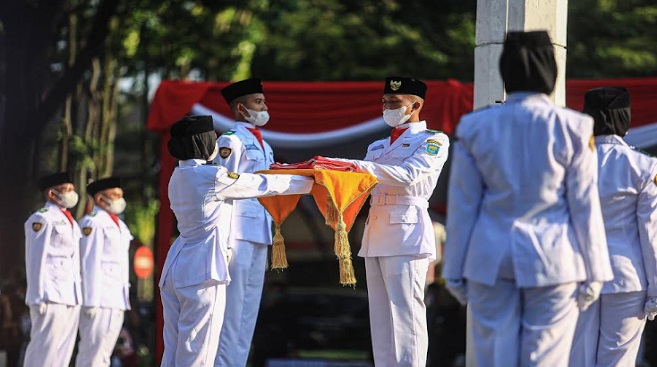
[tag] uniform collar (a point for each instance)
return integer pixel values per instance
(610, 139)
(414, 126)
(191, 162)
(243, 124)
(54, 206)
(523, 96)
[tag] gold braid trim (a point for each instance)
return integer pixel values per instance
(331, 211)
(343, 252)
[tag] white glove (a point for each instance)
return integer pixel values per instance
(650, 308)
(588, 294)
(41, 308)
(459, 289)
(90, 312)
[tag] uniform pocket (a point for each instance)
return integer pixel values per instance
(404, 215)
(255, 155)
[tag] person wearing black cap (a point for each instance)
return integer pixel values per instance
(52, 265)
(398, 241)
(242, 150)
(524, 226)
(195, 273)
(609, 332)
(105, 264)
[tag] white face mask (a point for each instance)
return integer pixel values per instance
(257, 118)
(396, 117)
(115, 206)
(67, 199)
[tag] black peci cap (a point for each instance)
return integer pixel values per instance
(103, 184)
(610, 109)
(54, 179)
(192, 125)
(404, 85)
(242, 88)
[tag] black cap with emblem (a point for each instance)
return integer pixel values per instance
(404, 85)
(54, 179)
(192, 137)
(103, 184)
(242, 88)
(610, 109)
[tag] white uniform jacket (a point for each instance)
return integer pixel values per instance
(408, 170)
(627, 183)
(52, 258)
(104, 257)
(198, 194)
(523, 189)
(240, 151)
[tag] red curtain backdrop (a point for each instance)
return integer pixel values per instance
(314, 107)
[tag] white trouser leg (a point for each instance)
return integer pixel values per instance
(395, 286)
(585, 342)
(193, 317)
(495, 318)
(98, 337)
(548, 324)
(53, 336)
(622, 321)
(247, 272)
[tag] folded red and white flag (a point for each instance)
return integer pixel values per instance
(318, 162)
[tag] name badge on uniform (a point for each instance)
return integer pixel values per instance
(251, 147)
(376, 148)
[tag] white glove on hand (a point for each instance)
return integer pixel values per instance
(41, 308)
(588, 294)
(90, 312)
(650, 308)
(458, 289)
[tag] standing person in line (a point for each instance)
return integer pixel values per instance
(609, 332)
(524, 226)
(105, 263)
(242, 150)
(195, 273)
(52, 264)
(398, 241)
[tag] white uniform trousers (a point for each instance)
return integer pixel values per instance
(398, 317)
(609, 332)
(98, 337)
(247, 273)
(514, 326)
(53, 335)
(192, 321)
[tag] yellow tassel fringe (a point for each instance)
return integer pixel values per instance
(278, 257)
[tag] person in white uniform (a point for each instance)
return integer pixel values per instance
(398, 241)
(52, 264)
(105, 264)
(195, 273)
(524, 226)
(609, 332)
(242, 150)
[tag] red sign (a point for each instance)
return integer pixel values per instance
(143, 262)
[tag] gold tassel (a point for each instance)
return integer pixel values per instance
(278, 257)
(347, 276)
(331, 212)
(343, 252)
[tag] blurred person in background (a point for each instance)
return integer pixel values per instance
(609, 332)
(52, 259)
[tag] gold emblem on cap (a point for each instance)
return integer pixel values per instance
(394, 85)
(87, 231)
(233, 175)
(36, 226)
(224, 152)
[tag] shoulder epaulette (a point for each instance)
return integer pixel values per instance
(229, 132)
(434, 131)
(92, 213)
(42, 210)
(641, 151)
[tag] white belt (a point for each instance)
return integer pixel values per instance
(398, 200)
